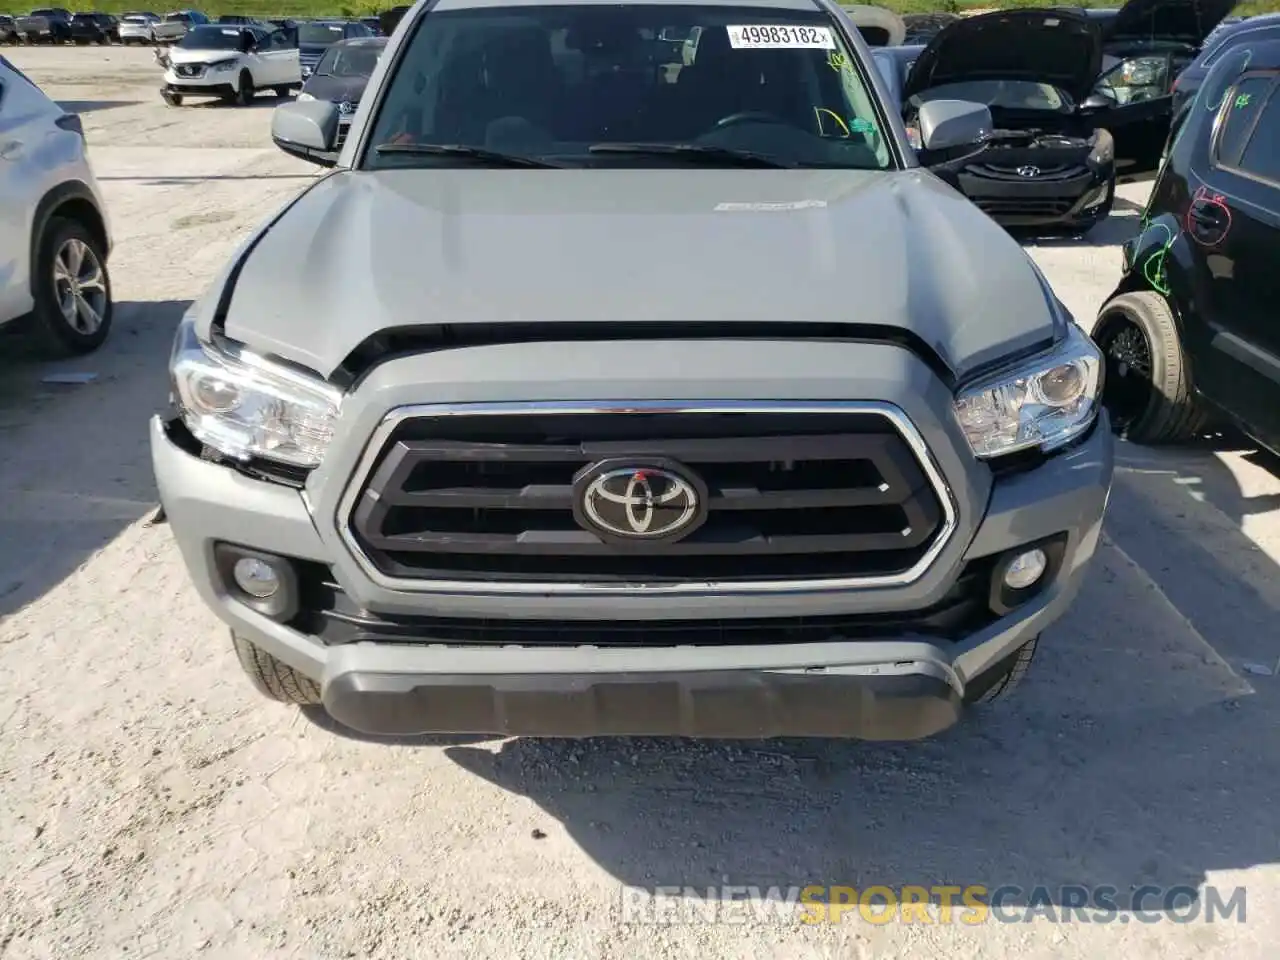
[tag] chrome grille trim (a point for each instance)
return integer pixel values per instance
(377, 442)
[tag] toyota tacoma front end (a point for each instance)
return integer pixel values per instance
(578, 437)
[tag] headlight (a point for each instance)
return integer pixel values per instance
(224, 65)
(305, 96)
(1043, 403)
(1104, 151)
(245, 406)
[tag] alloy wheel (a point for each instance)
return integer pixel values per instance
(80, 286)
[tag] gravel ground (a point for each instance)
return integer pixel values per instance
(151, 804)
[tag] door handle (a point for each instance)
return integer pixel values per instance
(1207, 215)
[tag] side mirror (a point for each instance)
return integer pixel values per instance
(307, 130)
(1096, 101)
(946, 124)
(247, 43)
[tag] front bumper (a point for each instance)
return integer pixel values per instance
(899, 685)
(1033, 202)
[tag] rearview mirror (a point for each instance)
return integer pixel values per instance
(946, 124)
(307, 130)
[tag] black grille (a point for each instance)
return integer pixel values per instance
(1001, 171)
(791, 496)
(329, 614)
(341, 138)
(1023, 208)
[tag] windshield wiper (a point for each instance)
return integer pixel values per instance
(694, 151)
(495, 157)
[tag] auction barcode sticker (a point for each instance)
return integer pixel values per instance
(780, 37)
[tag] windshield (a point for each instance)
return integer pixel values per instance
(551, 82)
(210, 38)
(1006, 94)
(177, 17)
(319, 33)
(348, 61)
(134, 18)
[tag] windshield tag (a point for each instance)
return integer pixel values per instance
(767, 207)
(780, 37)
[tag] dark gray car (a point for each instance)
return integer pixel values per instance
(598, 393)
(340, 77)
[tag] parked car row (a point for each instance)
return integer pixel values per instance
(59, 25)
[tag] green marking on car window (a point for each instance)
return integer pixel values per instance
(1242, 101)
(858, 125)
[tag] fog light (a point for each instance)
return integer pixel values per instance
(1022, 572)
(256, 577)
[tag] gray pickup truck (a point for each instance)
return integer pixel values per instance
(592, 394)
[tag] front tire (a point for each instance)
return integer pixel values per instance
(1147, 390)
(172, 99)
(245, 91)
(283, 92)
(272, 678)
(73, 306)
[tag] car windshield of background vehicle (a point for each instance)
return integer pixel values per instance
(605, 85)
(315, 33)
(210, 38)
(1006, 94)
(348, 62)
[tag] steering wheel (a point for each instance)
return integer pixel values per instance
(747, 116)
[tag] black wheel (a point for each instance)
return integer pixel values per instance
(274, 679)
(1000, 680)
(72, 289)
(244, 90)
(172, 99)
(1147, 388)
(282, 92)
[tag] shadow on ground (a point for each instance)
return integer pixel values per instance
(76, 468)
(1140, 752)
(91, 106)
(154, 181)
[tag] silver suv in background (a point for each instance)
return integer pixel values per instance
(596, 394)
(54, 235)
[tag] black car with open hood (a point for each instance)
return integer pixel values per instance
(1042, 46)
(1047, 165)
(1146, 45)
(1186, 22)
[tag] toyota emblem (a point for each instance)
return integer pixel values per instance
(639, 501)
(1028, 171)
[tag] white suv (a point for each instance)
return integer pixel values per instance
(54, 234)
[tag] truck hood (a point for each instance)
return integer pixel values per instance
(364, 252)
(1177, 21)
(1045, 46)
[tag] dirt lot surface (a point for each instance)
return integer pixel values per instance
(151, 804)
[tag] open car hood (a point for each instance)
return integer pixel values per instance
(879, 27)
(1043, 46)
(1180, 21)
